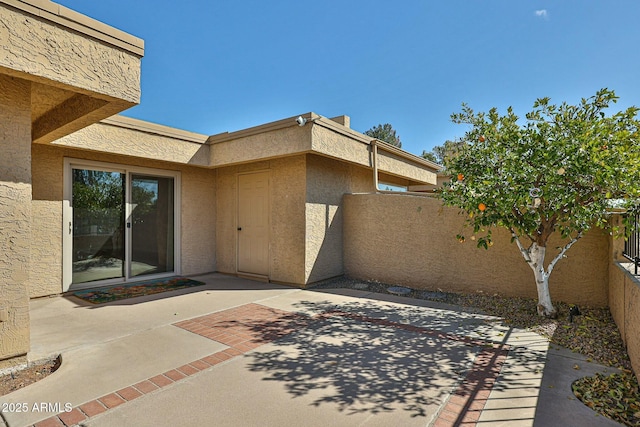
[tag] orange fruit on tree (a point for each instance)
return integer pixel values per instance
(482, 207)
(460, 177)
(482, 138)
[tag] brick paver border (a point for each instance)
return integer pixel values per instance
(235, 328)
(467, 402)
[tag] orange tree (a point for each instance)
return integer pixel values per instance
(558, 171)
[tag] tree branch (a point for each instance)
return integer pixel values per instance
(520, 219)
(523, 250)
(562, 252)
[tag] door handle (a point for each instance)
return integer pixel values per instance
(239, 228)
(70, 227)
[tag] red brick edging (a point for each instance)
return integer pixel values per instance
(467, 402)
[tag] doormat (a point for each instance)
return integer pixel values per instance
(138, 289)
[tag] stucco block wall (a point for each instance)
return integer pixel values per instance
(15, 215)
(198, 232)
(287, 206)
(46, 241)
(624, 303)
(197, 211)
(327, 181)
(617, 285)
(410, 240)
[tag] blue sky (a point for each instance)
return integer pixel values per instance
(215, 66)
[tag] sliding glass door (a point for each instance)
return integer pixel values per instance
(98, 218)
(151, 224)
(122, 224)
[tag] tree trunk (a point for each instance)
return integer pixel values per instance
(534, 256)
(545, 307)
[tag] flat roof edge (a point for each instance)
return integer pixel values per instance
(76, 21)
(154, 128)
(390, 148)
(254, 130)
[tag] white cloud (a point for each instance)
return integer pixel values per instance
(542, 13)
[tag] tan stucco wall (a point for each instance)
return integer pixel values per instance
(287, 207)
(327, 181)
(15, 216)
(624, 298)
(107, 137)
(59, 71)
(624, 303)
(410, 240)
(198, 214)
(46, 243)
(198, 231)
(617, 285)
(47, 50)
(305, 215)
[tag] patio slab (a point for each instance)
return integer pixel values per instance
(91, 372)
(237, 352)
(321, 374)
(80, 324)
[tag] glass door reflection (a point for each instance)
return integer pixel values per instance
(98, 200)
(151, 225)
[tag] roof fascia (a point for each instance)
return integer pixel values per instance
(78, 22)
(153, 128)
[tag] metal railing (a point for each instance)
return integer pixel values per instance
(632, 242)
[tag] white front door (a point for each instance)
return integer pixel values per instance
(253, 223)
(120, 224)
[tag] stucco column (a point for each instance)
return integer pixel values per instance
(15, 218)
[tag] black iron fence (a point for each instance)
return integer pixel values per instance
(632, 243)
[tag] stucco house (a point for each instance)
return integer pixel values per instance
(89, 198)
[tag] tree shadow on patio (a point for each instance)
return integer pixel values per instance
(365, 357)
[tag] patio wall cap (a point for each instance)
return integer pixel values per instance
(65, 17)
(618, 206)
(383, 193)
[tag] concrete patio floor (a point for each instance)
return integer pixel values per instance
(242, 353)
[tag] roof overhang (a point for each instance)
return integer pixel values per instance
(81, 70)
(319, 135)
(322, 136)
